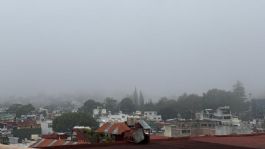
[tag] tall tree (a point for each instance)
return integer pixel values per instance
(127, 106)
(135, 97)
(89, 105)
(111, 104)
(141, 99)
(239, 90)
(167, 108)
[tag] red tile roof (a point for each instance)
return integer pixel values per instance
(113, 128)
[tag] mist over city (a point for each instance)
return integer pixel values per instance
(148, 66)
(107, 48)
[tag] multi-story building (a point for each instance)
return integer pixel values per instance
(183, 128)
(152, 115)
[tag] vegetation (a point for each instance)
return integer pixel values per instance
(111, 104)
(67, 121)
(26, 133)
(127, 106)
(89, 105)
(185, 106)
(20, 109)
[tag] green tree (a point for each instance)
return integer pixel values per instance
(20, 109)
(111, 104)
(167, 108)
(188, 105)
(127, 106)
(149, 106)
(141, 99)
(67, 121)
(135, 97)
(239, 90)
(215, 98)
(89, 105)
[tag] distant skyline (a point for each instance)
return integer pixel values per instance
(107, 48)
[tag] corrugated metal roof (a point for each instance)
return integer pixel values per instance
(144, 124)
(52, 142)
(113, 128)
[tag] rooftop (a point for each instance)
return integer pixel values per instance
(221, 142)
(113, 128)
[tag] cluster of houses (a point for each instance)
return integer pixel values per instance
(208, 122)
(102, 116)
(35, 130)
(23, 130)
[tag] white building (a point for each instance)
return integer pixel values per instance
(229, 124)
(99, 112)
(46, 127)
(222, 114)
(120, 117)
(152, 116)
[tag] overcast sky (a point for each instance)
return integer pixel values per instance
(108, 47)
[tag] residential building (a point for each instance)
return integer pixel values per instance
(221, 114)
(152, 115)
(99, 111)
(115, 130)
(46, 127)
(183, 128)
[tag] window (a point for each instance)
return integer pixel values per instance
(49, 125)
(203, 125)
(227, 117)
(185, 131)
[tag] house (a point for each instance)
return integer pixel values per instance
(27, 124)
(222, 114)
(6, 117)
(99, 112)
(152, 115)
(184, 128)
(56, 136)
(115, 130)
(81, 134)
(120, 117)
(46, 127)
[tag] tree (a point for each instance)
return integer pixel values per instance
(141, 99)
(239, 90)
(111, 104)
(188, 105)
(20, 109)
(149, 106)
(167, 108)
(215, 98)
(135, 97)
(89, 105)
(127, 106)
(67, 121)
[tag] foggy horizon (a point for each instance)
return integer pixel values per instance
(107, 48)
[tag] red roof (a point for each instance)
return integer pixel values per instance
(52, 142)
(28, 124)
(252, 141)
(55, 136)
(211, 142)
(113, 128)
